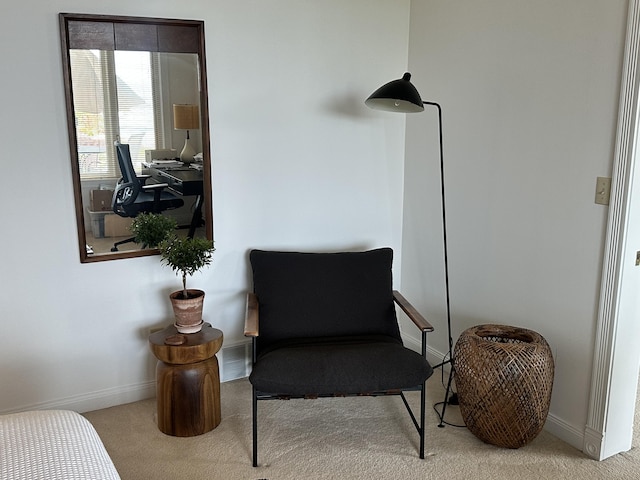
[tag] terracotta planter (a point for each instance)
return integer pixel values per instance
(188, 311)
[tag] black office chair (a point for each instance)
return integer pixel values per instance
(132, 196)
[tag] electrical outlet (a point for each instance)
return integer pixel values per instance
(603, 190)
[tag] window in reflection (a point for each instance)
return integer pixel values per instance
(131, 114)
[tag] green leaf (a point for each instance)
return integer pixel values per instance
(186, 256)
(150, 229)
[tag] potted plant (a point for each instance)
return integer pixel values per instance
(186, 256)
(150, 229)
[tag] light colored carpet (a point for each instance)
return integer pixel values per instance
(336, 438)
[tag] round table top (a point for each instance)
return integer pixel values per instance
(176, 348)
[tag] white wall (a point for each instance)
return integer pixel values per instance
(298, 162)
(529, 91)
(179, 79)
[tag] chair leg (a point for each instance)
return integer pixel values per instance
(423, 397)
(419, 424)
(255, 428)
(423, 400)
(121, 242)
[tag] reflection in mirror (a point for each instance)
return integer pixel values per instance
(140, 82)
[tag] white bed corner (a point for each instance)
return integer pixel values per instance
(52, 445)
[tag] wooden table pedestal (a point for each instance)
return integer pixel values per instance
(188, 381)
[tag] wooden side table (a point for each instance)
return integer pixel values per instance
(188, 380)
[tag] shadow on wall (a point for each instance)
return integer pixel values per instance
(349, 105)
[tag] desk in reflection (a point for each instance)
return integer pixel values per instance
(184, 181)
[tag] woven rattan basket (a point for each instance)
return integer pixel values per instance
(504, 378)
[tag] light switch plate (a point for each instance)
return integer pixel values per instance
(603, 190)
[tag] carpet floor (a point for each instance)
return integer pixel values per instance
(335, 438)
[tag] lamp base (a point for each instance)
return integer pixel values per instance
(187, 153)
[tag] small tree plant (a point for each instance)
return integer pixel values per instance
(150, 229)
(186, 256)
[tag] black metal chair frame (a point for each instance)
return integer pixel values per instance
(252, 330)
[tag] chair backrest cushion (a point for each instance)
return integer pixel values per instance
(128, 187)
(306, 295)
(125, 163)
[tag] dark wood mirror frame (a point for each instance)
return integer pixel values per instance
(142, 34)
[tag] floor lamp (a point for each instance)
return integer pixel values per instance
(401, 96)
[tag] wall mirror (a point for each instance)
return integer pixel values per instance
(140, 82)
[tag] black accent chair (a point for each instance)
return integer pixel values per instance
(324, 324)
(132, 196)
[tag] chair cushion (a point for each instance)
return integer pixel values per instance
(304, 295)
(344, 365)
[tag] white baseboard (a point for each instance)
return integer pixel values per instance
(96, 400)
(564, 431)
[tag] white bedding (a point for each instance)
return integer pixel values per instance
(52, 445)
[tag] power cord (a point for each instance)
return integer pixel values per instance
(453, 398)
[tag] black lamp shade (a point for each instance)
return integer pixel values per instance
(396, 96)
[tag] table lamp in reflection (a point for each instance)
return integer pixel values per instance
(186, 117)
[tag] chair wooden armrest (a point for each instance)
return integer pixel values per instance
(251, 316)
(412, 313)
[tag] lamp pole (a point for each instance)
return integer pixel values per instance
(446, 266)
(401, 96)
